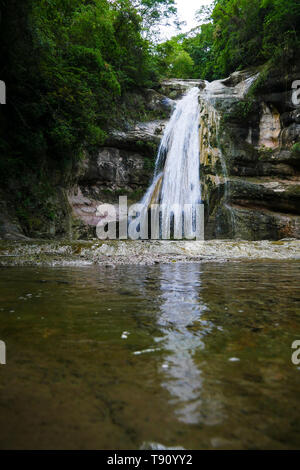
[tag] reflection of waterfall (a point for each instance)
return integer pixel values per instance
(180, 321)
(178, 161)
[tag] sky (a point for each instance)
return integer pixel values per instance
(186, 12)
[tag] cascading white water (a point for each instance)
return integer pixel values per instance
(178, 161)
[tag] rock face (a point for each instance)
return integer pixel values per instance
(175, 88)
(10, 228)
(250, 161)
(123, 167)
(249, 152)
(50, 218)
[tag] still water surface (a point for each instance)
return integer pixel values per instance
(196, 356)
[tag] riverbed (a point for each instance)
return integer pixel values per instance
(144, 253)
(180, 354)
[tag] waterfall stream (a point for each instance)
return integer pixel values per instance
(193, 135)
(176, 180)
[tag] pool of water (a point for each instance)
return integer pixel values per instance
(196, 356)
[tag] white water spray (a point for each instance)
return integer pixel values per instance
(177, 168)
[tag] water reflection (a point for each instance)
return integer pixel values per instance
(180, 320)
(78, 384)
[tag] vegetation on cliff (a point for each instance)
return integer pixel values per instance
(70, 64)
(232, 35)
(68, 61)
(66, 64)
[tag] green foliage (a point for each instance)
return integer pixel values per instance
(264, 153)
(68, 65)
(237, 34)
(251, 33)
(281, 40)
(154, 13)
(182, 65)
(241, 110)
(173, 60)
(34, 203)
(296, 149)
(201, 51)
(68, 62)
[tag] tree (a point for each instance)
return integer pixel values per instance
(236, 34)
(182, 65)
(201, 49)
(67, 62)
(155, 13)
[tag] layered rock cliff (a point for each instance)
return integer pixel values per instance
(249, 151)
(250, 159)
(124, 166)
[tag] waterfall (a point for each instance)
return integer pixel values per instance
(176, 180)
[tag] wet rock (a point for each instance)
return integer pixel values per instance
(136, 137)
(282, 196)
(176, 88)
(111, 173)
(158, 102)
(269, 127)
(258, 223)
(10, 228)
(124, 166)
(250, 170)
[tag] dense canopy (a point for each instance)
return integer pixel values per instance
(67, 63)
(235, 34)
